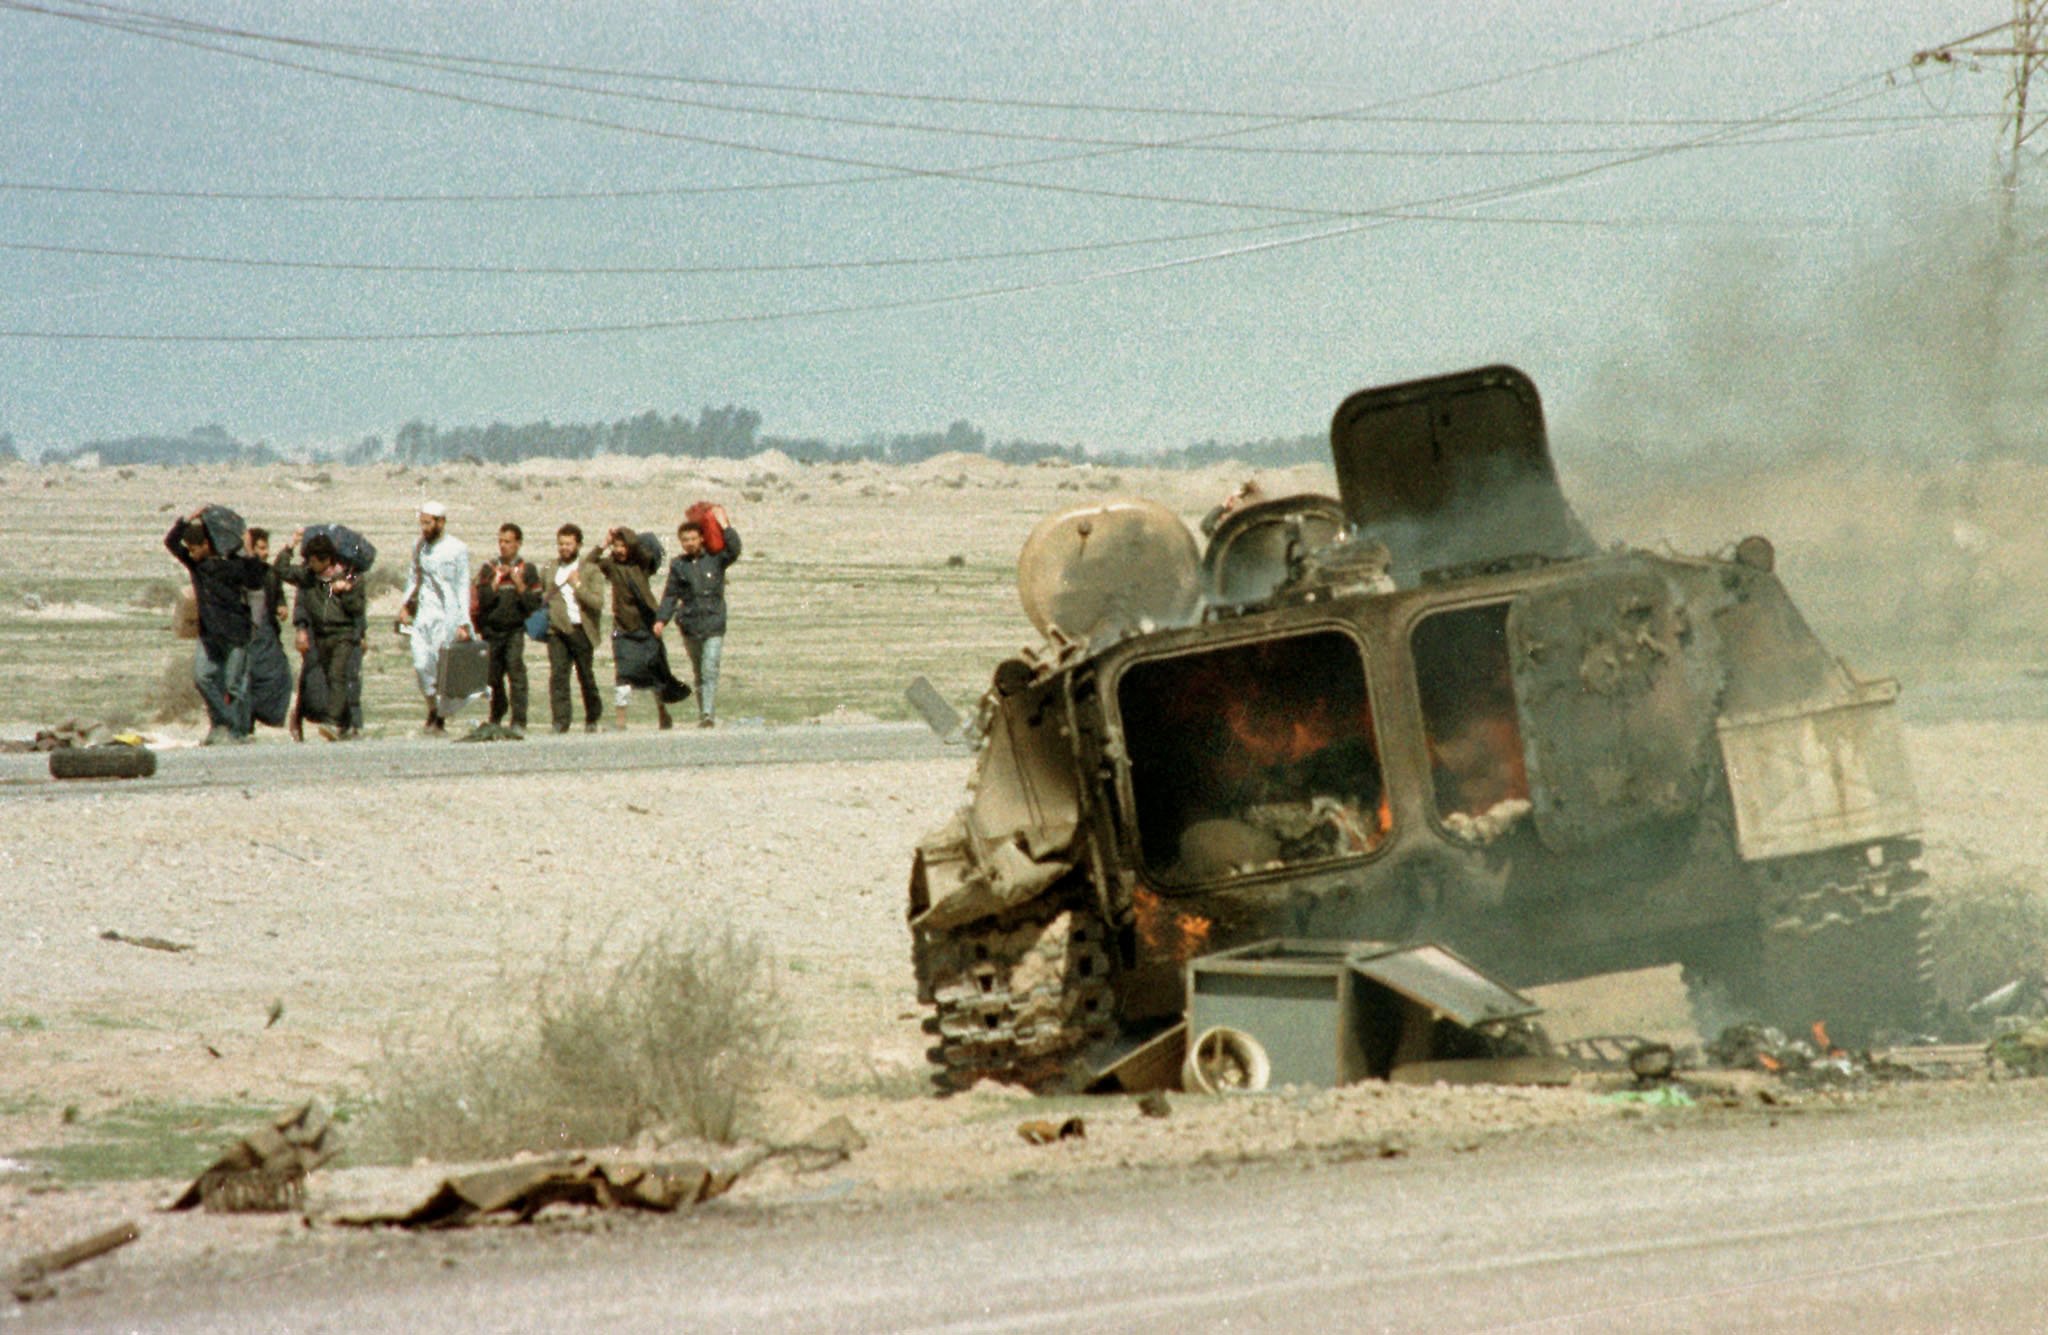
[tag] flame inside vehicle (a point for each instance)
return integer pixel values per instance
(1165, 930)
(1253, 757)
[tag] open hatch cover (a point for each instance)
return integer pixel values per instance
(1453, 471)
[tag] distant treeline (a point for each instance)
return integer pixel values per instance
(716, 433)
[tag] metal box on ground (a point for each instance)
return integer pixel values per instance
(1332, 1012)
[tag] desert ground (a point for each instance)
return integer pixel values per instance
(331, 918)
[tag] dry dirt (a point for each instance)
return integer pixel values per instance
(370, 908)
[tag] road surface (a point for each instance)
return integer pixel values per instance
(270, 761)
(1896, 1218)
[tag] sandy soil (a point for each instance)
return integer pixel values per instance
(364, 908)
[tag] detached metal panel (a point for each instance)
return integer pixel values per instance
(1808, 779)
(1446, 983)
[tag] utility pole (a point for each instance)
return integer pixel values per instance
(2024, 39)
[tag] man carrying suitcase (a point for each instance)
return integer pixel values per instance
(436, 611)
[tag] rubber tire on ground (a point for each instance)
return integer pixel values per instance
(102, 762)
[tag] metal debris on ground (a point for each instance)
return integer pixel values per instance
(522, 1191)
(2023, 1051)
(1602, 1052)
(31, 1279)
(266, 1169)
(147, 942)
(1041, 1132)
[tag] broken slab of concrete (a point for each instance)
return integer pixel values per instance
(266, 1169)
(523, 1190)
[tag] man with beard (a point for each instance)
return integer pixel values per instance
(436, 603)
(695, 601)
(574, 594)
(628, 560)
(507, 591)
(208, 543)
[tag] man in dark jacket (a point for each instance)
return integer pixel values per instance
(695, 601)
(221, 584)
(270, 672)
(628, 560)
(330, 617)
(506, 592)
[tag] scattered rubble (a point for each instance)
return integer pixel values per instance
(266, 1169)
(523, 1190)
(1042, 1132)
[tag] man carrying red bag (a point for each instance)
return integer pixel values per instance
(694, 600)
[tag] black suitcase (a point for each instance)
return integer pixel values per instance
(462, 674)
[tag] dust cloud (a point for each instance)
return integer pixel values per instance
(1924, 348)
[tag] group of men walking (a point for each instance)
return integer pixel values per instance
(239, 666)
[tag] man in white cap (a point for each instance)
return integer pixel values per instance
(436, 602)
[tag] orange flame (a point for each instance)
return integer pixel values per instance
(1169, 931)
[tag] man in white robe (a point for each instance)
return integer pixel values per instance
(436, 602)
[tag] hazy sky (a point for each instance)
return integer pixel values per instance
(1108, 343)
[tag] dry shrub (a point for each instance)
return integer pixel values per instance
(669, 1034)
(175, 697)
(1987, 930)
(386, 578)
(158, 595)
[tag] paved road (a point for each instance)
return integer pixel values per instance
(1898, 1219)
(270, 762)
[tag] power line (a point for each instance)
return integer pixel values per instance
(878, 262)
(1832, 99)
(481, 67)
(152, 24)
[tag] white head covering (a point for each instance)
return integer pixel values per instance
(433, 509)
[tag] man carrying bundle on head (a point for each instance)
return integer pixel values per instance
(629, 560)
(695, 598)
(208, 543)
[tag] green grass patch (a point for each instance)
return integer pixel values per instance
(23, 1024)
(148, 1139)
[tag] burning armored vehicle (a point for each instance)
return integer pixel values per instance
(1432, 708)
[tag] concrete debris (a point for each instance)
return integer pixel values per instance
(521, 1191)
(31, 1279)
(829, 1145)
(60, 736)
(1040, 1132)
(266, 1170)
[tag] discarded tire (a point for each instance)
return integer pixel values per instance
(102, 762)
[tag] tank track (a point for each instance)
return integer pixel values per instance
(1852, 951)
(1016, 997)
(1838, 941)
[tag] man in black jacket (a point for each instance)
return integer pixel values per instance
(330, 617)
(505, 593)
(695, 601)
(221, 584)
